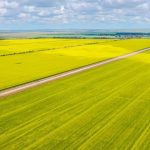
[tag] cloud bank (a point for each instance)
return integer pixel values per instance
(74, 11)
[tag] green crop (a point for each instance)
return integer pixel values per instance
(103, 108)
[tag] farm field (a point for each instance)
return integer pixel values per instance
(45, 57)
(103, 108)
(8, 47)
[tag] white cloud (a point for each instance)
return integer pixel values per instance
(66, 11)
(6, 4)
(3, 11)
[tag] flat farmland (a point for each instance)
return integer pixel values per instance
(26, 60)
(8, 47)
(103, 108)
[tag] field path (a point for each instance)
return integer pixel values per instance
(25, 86)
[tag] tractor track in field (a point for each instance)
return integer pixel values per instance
(19, 88)
(56, 48)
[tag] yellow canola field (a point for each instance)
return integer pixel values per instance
(17, 69)
(26, 45)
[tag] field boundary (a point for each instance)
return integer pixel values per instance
(57, 48)
(19, 88)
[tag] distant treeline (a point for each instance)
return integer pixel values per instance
(113, 35)
(118, 34)
(85, 35)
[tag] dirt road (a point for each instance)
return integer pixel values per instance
(25, 86)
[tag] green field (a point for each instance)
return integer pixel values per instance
(105, 108)
(45, 57)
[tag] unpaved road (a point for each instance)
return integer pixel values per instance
(25, 86)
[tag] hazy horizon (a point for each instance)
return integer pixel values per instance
(77, 30)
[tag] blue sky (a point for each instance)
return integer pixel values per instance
(80, 14)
